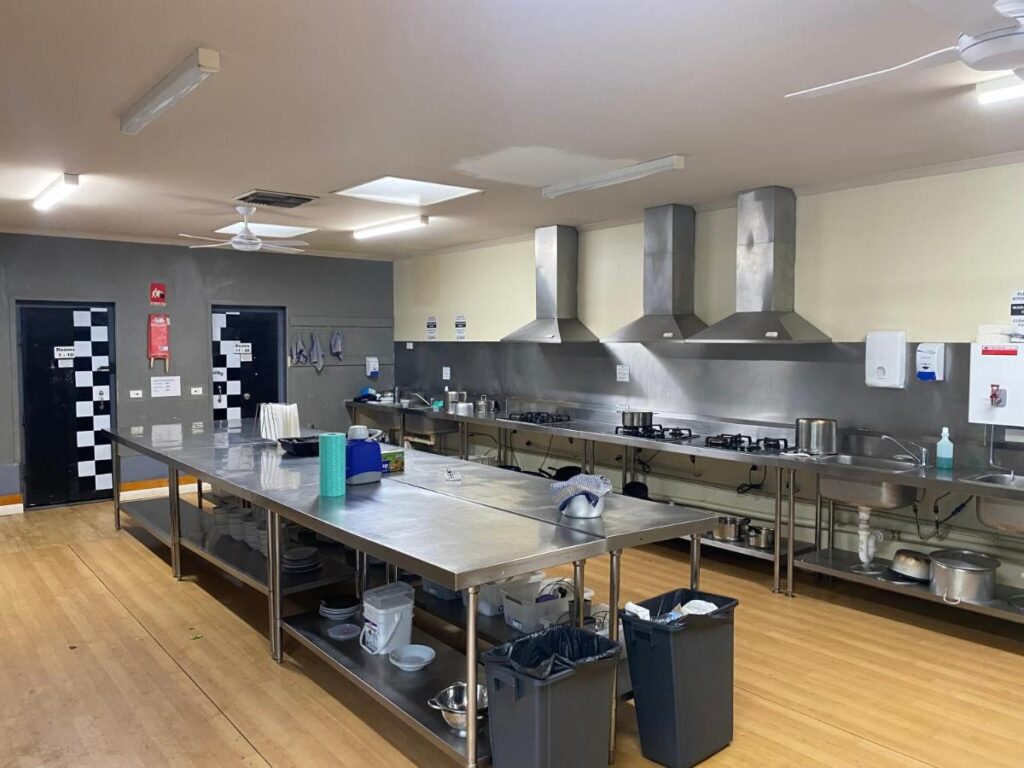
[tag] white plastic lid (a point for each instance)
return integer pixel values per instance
(945, 431)
(358, 432)
(390, 596)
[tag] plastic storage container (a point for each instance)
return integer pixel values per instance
(441, 593)
(387, 618)
(489, 602)
(682, 677)
(549, 699)
(523, 612)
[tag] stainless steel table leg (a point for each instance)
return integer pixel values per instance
(791, 544)
(274, 583)
(777, 564)
(463, 441)
(472, 595)
(360, 573)
(613, 635)
(115, 456)
(199, 493)
(174, 499)
(695, 561)
(831, 524)
(817, 513)
(578, 585)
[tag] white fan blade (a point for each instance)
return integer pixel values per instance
(278, 248)
(969, 17)
(933, 59)
(197, 237)
(211, 245)
(275, 241)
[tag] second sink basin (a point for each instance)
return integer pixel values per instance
(1001, 479)
(877, 495)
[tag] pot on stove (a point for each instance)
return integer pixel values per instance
(637, 419)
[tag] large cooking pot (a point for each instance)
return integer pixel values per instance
(817, 437)
(637, 419)
(912, 564)
(959, 575)
(729, 528)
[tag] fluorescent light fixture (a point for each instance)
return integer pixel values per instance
(1000, 89)
(181, 81)
(398, 191)
(266, 230)
(391, 227)
(61, 187)
(617, 176)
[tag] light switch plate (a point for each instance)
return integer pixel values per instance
(197, 426)
(196, 390)
(138, 430)
(135, 394)
(446, 373)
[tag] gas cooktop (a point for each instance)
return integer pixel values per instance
(747, 444)
(658, 432)
(538, 417)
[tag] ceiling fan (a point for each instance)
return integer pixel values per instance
(245, 240)
(991, 39)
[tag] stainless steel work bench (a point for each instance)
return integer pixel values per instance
(454, 534)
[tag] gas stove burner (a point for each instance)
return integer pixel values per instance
(539, 417)
(653, 432)
(730, 442)
(773, 444)
(680, 433)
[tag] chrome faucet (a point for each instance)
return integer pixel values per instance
(991, 435)
(922, 453)
(421, 397)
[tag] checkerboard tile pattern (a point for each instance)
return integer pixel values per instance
(227, 369)
(92, 399)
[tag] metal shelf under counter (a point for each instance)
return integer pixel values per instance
(838, 562)
(200, 536)
(403, 693)
(768, 554)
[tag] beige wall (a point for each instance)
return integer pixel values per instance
(936, 256)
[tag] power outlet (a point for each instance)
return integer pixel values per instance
(135, 394)
(196, 390)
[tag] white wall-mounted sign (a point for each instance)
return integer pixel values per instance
(165, 386)
(622, 373)
(432, 328)
(461, 328)
(64, 353)
(1017, 311)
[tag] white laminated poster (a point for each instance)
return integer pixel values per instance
(622, 373)
(432, 328)
(1017, 312)
(460, 328)
(165, 386)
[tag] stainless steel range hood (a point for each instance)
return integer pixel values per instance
(668, 278)
(556, 250)
(765, 279)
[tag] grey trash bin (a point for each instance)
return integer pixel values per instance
(682, 675)
(549, 699)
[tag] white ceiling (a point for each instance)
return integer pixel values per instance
(319, 95)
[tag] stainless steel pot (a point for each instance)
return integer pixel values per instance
(818, 437)
(637, 419)
(729, 528)
(959, 575)
(912, 564)
(760, 536)
(463, 409)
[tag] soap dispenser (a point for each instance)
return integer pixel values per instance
(944, 451)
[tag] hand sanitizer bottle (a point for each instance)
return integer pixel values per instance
(944, 451)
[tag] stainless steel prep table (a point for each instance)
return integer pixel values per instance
(460, 543)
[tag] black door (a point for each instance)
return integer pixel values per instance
(248, 355)
(66, 357)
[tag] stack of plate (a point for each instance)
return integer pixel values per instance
(220, 519)
(300, 560)
(339, 608)
(236, 521)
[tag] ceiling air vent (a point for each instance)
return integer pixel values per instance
(275, 199)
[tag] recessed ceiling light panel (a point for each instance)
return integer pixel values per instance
(399, 191)
(60, 188)
(391, 227)
(266, 230)
(1000, 89)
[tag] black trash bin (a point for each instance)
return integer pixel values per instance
(549, 699)
(682, 678)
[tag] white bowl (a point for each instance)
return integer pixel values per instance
(411, 658)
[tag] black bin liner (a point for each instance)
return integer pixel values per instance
(552, 650)
(549, 699)
(682, 675)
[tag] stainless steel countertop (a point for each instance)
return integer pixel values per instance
(458, 542)
(958, 479)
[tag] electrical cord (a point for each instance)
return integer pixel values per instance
(546, 454)
(750, 485)
(937, 524)
(645, 464)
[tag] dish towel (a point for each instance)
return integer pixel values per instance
(297, 352)
(592, 486)
(316, 352)
(338, 344)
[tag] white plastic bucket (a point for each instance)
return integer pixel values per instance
(387, 618)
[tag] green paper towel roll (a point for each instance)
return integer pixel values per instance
(332, 464)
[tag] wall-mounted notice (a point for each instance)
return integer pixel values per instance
(1017, 312)
(165, 386)
(64, 353)
(158, 294)
(622, 373)
(460, 328)
(432, 328)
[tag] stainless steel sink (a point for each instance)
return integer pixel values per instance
(1001, 479)
(859, 493)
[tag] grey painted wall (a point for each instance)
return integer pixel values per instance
(316, 292)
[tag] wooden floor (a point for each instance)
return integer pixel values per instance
(105, 660)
